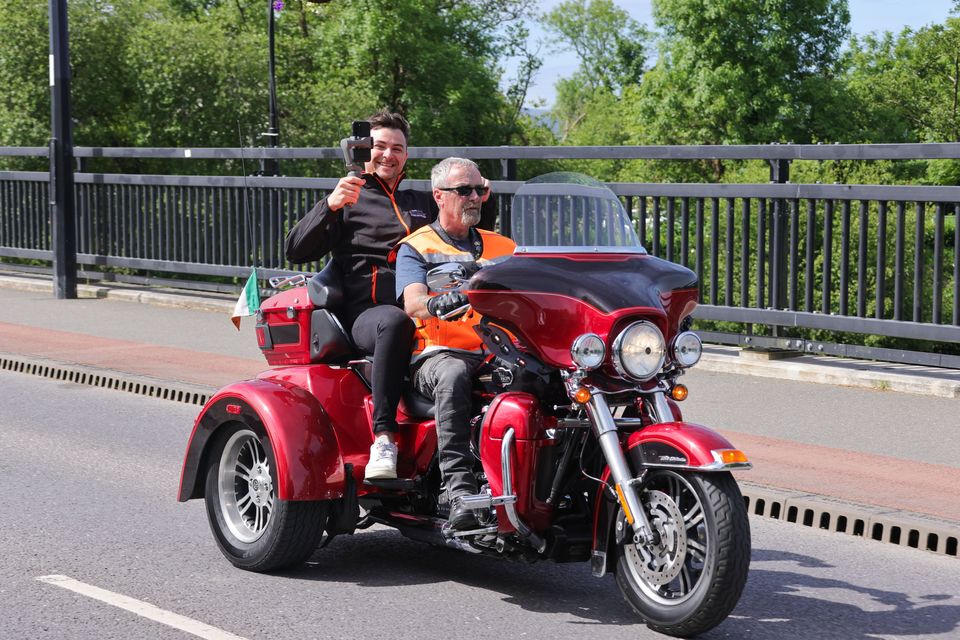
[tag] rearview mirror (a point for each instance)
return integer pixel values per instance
(447, 277)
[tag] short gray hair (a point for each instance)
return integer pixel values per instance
(440, 171)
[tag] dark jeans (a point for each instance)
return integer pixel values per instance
(386, 332)
(447, 378)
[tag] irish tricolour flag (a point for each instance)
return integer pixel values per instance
(249, 300)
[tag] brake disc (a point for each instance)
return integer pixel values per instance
(658, 564)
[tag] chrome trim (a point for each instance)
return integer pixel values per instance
(606, 431)
(506, 464)
(582, 249)
(712, 466)
(618, 365)
(578, 344)
(598, 563)
(281, 283)
(660, 409)
(673, 348)
(485, 501)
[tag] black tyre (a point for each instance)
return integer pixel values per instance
(692, 580)
(254, 529)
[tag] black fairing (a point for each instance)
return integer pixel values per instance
(603, 283)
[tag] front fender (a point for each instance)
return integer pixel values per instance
(309, 463)
(682, 445)
(669, 445)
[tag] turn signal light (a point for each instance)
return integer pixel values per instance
(679, 392)
(730, 456)
(582, 395)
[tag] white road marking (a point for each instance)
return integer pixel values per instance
(175, 620)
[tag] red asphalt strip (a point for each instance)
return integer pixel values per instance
(879, 481)
(165, 363)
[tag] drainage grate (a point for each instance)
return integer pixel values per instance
(884, 525)
(105, 379)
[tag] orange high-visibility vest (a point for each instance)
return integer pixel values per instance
(434, 334)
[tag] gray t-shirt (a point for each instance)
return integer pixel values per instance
(412, 268)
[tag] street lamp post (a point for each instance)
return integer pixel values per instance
(63, 227)
(271, 166)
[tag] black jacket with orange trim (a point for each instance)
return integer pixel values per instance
(360, 238)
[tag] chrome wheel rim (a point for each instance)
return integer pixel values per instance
(670, 571)
(245, 486)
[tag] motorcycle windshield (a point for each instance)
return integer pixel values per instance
(570, 213)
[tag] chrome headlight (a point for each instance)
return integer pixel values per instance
(686, 349)
(639, 351)
(588, 351)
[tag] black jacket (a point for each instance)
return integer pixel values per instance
(360, 238)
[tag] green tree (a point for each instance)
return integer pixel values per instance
(25, 99)
(611, 48)
(744, 71)
(191, 72)
(909, 83)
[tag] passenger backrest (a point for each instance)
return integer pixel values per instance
(329, 342)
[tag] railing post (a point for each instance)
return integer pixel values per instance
(779, 174)
(508, 171)
(62, 211)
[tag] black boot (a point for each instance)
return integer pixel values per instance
(461, 518)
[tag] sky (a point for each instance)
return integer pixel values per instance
(865, 16)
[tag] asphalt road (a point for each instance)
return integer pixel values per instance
(90, 479)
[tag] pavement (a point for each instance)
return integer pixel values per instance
(869, 449)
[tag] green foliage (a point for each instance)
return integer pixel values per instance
(610, 44)
(908, 84)
(194, 72)
(742, 72)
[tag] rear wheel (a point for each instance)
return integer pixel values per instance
(691, 580)
(254, 529)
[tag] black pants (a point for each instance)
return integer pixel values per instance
(386, 332)
(447, 377)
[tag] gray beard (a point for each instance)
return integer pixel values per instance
(470, 217)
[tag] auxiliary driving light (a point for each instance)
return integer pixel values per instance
(588, 351)
(686, 349)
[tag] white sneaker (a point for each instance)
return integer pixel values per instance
(383, 461)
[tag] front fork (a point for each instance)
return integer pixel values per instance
(605, 428)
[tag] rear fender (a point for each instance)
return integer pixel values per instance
(309, 462)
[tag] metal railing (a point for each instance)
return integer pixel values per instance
(863, 259)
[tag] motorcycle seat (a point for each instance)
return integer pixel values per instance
(417, 405)
(413, 403)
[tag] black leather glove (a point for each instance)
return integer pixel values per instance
(445, 303)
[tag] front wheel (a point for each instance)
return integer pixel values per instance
(254, 529)
(692, 578)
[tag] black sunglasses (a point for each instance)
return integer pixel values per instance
(465, 190)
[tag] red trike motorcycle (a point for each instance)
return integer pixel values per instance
(581, 450)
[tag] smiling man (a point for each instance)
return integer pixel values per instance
(358, 224)
(448, 349)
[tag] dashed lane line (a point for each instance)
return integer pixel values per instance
(146, 610)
